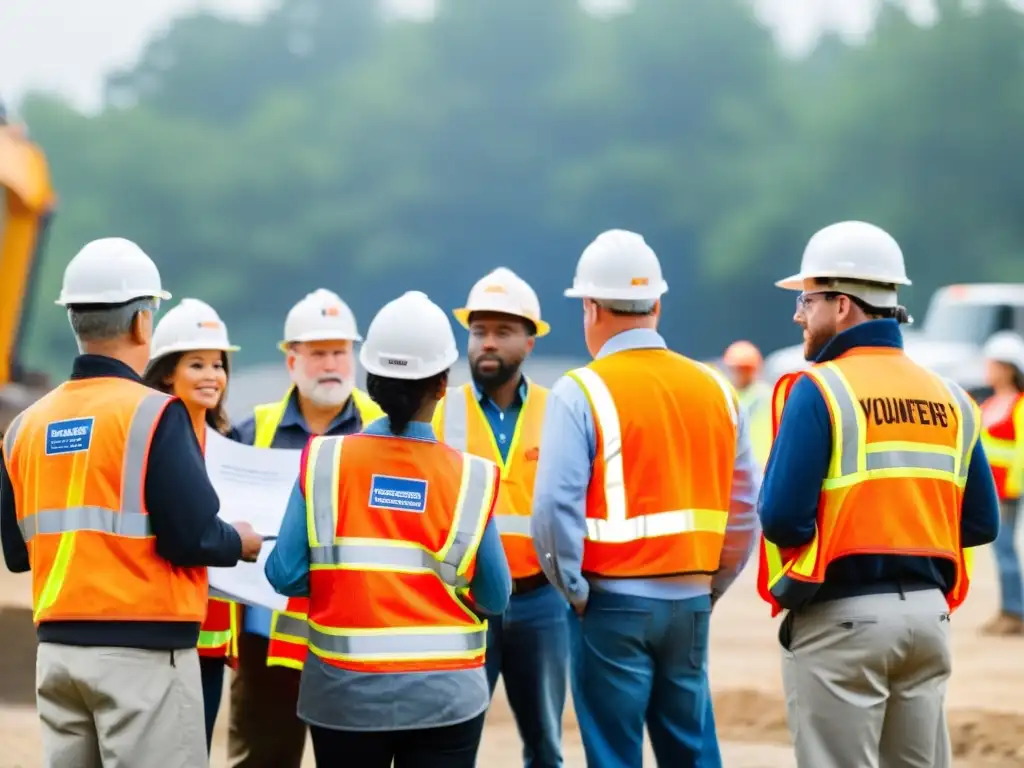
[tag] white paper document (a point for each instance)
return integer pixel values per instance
(253, 483)
(246, 583)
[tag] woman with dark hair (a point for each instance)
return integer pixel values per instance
(399, 528)
(189, 359)
(1003, 438)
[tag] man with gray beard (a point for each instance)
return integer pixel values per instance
(319, 344)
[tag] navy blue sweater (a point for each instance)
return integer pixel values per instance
(182, 507)
(799, 461)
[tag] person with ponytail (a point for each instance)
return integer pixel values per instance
(391, 536)
(189, 359)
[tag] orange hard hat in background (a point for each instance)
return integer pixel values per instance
(742, 354)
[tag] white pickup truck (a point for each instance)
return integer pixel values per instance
(950, 337)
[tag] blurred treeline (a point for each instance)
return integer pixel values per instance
(326, 146)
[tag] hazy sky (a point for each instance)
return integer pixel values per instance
(68, 45)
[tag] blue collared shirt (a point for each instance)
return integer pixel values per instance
(287, 567)
(292, 433)
(800, 459)
(568, 447)
(502, 422)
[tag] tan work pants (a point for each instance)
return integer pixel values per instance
(865, 681)
(120, 708)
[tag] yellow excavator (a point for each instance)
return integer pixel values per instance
(29, 201)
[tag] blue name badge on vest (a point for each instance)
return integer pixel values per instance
(401, 494)
(68, 436)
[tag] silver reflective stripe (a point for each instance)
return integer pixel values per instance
(385, 556)
(11, 435)
(325, 487)
(513, 525)
(853, 446)
(477, 486)
(131, 521)
(969, 426)
(455, 418)
(289, 625)
(400, 644)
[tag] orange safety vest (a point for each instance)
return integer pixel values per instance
(902, 439)
(394, 526)
(288, 628)
(460, 421)
(77, 460)
(660, 487)
(1002, 442)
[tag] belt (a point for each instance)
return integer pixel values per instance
(529, 583)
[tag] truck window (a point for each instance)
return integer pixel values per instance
(967, 323)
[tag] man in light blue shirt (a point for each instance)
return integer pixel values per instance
(639, 646)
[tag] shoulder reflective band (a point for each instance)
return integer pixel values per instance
(395, 644)
(455, 435)
(12, 434)
(131, 521)
(854, 460)
(617, 528)
(450, 563)
(455, 418)
(731, 398)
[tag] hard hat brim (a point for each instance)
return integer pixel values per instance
(305, 337)
(173, 348)
(796, 282)
(102, 299)
(651, 293)
(462, 315)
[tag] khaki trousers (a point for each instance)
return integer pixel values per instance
(865, 681)
(120, 707)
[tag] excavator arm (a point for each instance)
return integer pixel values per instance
(29, 201)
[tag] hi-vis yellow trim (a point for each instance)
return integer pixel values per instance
(267, 417)
(210, 639)
(853, 461)
(328, 551)
(617, 527)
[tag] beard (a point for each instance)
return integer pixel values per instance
(816, 341)
(501, 374)
(324, 391)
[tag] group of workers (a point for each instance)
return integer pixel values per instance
(439, 538)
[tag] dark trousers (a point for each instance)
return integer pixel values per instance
(451, 746)
(264, 731)
(211, 673)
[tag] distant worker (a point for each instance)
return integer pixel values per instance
(643, 515)
(319, 344)
(744, 363)
(875, 485)
(390, 534)
(189, 360)
(499, 416)
(1003, 437)
(104, 497)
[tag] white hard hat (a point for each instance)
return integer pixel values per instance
(1006, 347)
(320, 316)
(111, 270)
(618, 265)
(853, 251)
(410, 338)
(190, 326)
(505, 292)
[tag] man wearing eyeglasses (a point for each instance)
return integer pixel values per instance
(875, 486)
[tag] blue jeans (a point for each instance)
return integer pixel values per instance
(529, 647)
(1011, 587)
(637, 660)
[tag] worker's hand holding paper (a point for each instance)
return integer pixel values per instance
(253, 485)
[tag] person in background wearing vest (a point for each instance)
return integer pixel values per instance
(643, 515)
(743, 362)
(189, 360)
(499, 416)
(391, 535)
(319, 338)
(875, 486)
(1002, 417)
(104, 497)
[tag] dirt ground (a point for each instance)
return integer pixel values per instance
(986, 699)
